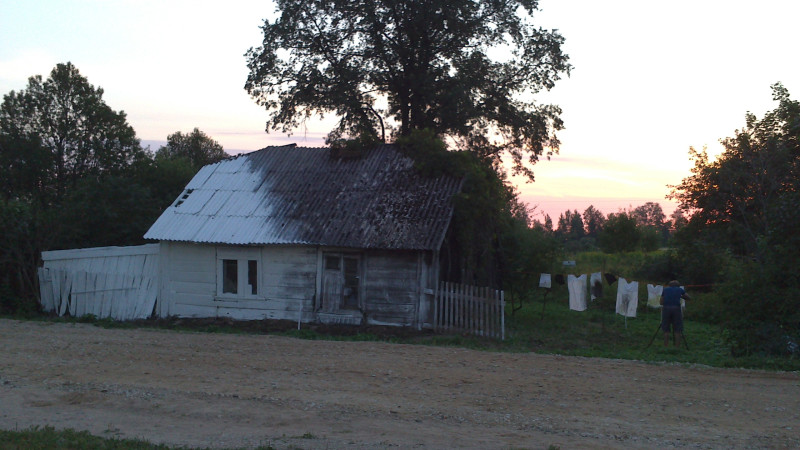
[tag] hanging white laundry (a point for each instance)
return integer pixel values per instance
(595, 277)
(627, 297)
(544, 280)
(683, 302)
(654, 295)
(577, 292)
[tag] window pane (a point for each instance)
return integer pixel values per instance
(350, 294)
(332, 262)
(230, 276)
(252, 276)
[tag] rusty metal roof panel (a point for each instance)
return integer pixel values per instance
(299, 195)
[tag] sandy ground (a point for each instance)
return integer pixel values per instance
(223, 390)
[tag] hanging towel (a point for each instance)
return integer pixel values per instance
(627, 297)
(654, 295)
(577, 292)
(610, 278)
(544, 281)
(560, 279)
(596, 285)
(683, 302)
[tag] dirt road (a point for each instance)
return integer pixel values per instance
(241, 391)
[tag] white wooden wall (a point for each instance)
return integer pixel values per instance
(116, 282)
(286, 285)
(180, 279)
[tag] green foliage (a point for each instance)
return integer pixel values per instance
(744, 229)
(431, 156)
(72, 174)
(761, 312)
(526, 252)
(49, 438)
(164, 179)
(734, 196)
(434, 64)
(351, 148)
(593, 220)
(599, 333)
(25, 228)
(570, 226)
(197, 147)
(59, 130)
(490, 241)
(650, 238)
(109, 211)
(619, 234)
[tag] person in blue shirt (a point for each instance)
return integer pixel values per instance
(671, 315)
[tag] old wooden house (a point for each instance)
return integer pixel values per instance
(303, 234)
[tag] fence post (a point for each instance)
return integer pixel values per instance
(436, 308)
(502, 316)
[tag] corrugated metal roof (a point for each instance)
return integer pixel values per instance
(300, 195)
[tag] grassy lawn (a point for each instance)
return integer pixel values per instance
(50, 438)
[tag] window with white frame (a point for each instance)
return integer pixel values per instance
(238, 272)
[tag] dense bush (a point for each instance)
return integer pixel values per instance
(744, 233)
(762, 315)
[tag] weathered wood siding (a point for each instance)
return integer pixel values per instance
(286, 284)
(115, 282)
(188, 279)
(392, 287)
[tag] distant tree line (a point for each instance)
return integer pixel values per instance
(644, 228)
(73, 174)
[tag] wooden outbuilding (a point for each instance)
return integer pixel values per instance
(303, 234)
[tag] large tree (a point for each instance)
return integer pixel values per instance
(593, 220)
(649, 215)
(743, 210)
(57, 131)
(466, 69)
(747, 193)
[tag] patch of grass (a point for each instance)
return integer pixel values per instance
(50, 438)
(554, 328)
(46, 438)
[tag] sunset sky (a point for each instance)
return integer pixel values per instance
(650, 79)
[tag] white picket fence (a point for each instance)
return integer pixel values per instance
(116, 282)
(469, 309)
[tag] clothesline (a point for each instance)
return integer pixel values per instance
(627, 292)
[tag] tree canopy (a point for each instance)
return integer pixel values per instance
(72, 174)
(751, 190)
(199, 148)
(466, 69)
(619, 233)
(744, 214)
(59, 130)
